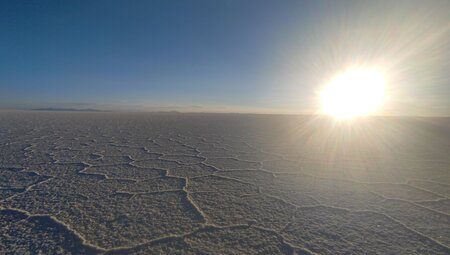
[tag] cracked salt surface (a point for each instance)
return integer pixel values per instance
(111, 183)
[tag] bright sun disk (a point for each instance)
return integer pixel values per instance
(355, 92)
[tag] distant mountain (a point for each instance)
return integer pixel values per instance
(66, 109)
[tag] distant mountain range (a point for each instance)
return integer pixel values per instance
(66, 109)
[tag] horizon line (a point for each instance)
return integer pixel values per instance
(94, 111)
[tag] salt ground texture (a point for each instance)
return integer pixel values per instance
(168, 183)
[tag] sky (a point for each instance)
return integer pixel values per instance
(220, 56)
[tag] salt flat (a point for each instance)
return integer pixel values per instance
(169, 183)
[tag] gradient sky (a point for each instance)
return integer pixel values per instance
(267, 56)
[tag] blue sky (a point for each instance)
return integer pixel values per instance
(269, 56)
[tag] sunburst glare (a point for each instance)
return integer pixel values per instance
(354, 92)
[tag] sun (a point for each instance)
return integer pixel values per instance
(354, 92)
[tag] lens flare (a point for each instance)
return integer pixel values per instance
(354, 92)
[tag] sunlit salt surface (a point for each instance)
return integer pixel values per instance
(135, 183)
